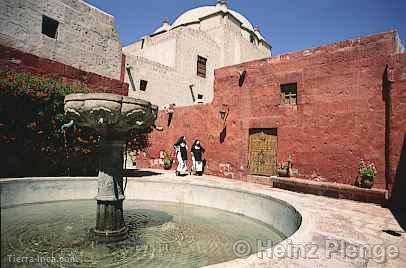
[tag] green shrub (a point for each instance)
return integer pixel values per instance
(31, 143)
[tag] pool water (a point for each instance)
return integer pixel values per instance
(161, 234)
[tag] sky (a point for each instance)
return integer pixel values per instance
(288, 25)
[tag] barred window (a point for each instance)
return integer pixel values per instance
(201, 66)
(289, 94)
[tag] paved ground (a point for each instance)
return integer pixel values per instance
(334, 232)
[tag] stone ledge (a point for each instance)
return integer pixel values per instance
(329, 189)
(22, 62)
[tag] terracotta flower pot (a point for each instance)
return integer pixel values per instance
(167, 164)
(367, 182)
(283, 172)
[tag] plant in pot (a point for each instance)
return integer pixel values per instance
(284, 169)
(367, 173)
(167, 161)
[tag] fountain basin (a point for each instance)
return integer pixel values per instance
(278, 213)
(230, 196)
(110, 114)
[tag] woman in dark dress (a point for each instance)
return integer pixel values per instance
(197, 151)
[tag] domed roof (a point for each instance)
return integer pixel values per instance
(194, 15)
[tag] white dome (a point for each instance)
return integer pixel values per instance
(194, 15)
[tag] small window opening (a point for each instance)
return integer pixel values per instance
(201, 66)
(252, 39)
(199, 98)
(289, 94)
(49, 26)
(143, 85)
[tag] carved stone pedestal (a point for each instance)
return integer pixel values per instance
(110, 225)
(112, 117)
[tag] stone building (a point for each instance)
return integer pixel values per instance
(325, 108)
(71, 32)
(176, 63)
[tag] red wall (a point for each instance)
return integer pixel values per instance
(16, 60)
(397, 142)
(340, 116)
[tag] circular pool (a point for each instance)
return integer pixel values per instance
(172, 223)
(161, 234)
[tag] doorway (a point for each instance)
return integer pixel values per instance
(262, 151)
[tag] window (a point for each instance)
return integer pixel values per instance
(201, 66)
(252, 39)
(199, 98)
(143, 85)
(289, 94)
(49, 26)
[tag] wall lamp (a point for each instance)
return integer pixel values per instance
(169, 109)
(130, 76)
(224, 111)
(242, 77)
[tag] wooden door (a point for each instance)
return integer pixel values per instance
(262, 152)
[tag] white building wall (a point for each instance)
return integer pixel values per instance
(86, 39)
(168, 84)
(165, 84)
(168, 60)
(160, 48)
(191, 44)
(163, 52)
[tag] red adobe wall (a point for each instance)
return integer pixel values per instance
(16, 60)
(397, 149)
(340, 116)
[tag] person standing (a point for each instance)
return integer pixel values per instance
(181, 155)
(197, 151)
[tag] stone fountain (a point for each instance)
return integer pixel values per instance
(111, 116)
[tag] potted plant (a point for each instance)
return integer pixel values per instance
(167, 161)
(285, 169)
(367, 173)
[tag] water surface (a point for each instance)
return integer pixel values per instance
(58, 234)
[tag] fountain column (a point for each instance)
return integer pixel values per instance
(111, 117)
(110, 225)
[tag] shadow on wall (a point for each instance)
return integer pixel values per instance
(398, 204)
(223, 135)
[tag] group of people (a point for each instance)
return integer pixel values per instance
(196, 151)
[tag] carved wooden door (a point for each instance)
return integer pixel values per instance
(262, 152)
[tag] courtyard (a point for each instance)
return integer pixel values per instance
(196, 135)
(332, 232)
